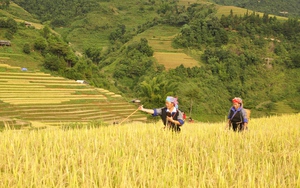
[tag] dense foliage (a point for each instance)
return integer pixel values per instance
(249, 56)
(237, 53)
(276, 7)
(241, 66)
(11, 25)
(59, 12)
(4, 4)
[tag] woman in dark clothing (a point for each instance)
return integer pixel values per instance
(170, 115)
(237, 116)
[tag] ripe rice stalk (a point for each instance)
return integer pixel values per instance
(145, 155)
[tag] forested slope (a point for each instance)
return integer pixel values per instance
(250, 56)
(289, 8)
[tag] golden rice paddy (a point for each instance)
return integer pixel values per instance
(145, 155)
(173, 60)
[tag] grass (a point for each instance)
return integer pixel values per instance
(283, 107)
(15, 56)
(16, 11)
(94, 32)
(225, 10)
(189, 2)
(143, 155)
(160, 38)
(173, 60)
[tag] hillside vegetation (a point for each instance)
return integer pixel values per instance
(136, 49)
(287, 8)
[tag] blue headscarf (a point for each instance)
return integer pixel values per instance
(172, 100)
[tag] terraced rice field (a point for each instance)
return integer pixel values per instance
(173, 60)
(51, 101)
(189, 2)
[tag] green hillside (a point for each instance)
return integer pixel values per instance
(203, 53)
(288, 8)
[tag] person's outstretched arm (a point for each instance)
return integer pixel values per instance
(149, 111)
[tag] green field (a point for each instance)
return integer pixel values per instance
(160, 39)
(225, 10)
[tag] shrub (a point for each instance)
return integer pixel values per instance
(26, 48)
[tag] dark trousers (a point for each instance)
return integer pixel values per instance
(237, 126)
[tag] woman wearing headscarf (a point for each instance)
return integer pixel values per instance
(170, 115)
(237, 116)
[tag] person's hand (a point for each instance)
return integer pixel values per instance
(170, 119)
(245, 126)
(227, 126)
(141, 108)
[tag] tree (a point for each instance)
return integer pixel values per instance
(118, 33)
(12, 25)
(26, 48)
(193, 95)
(54, 63)
(145, 48)
(295, 60)
(46, 31)
(94, 54)
(58, 48)
(182, 19)
(4, 4)
(40, 44)
(154, 90)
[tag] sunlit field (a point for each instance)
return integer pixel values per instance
(144, 155)
(225, 10)
(173, 60)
